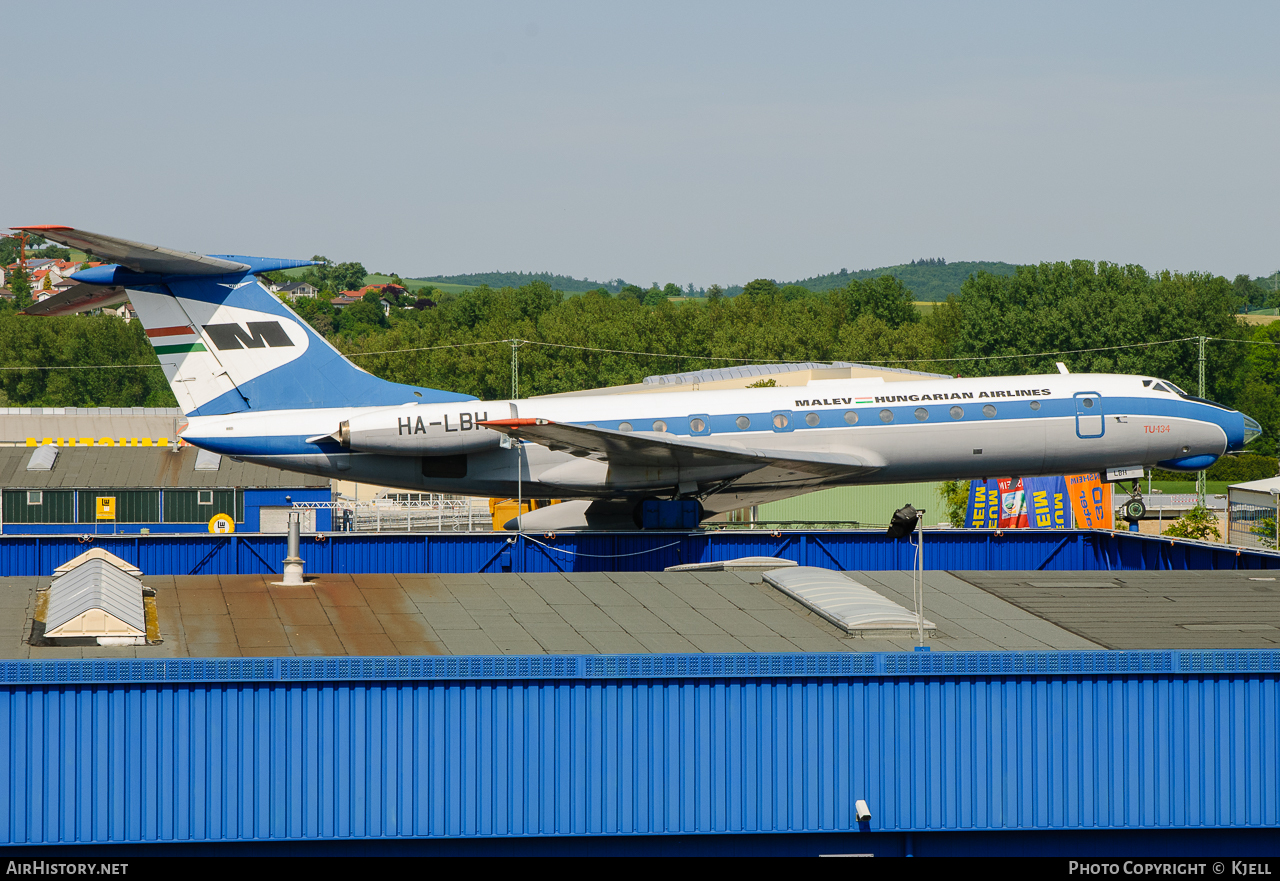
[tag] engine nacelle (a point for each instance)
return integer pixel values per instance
(421, 430)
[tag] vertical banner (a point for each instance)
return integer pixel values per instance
(1013, 504)
(984, 505)
(1090, 501)
(1047, 505)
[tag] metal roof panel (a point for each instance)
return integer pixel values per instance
(95, 584)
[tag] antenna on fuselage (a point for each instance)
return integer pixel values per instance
(1062, 368)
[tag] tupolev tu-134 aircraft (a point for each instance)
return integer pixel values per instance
(257, 383)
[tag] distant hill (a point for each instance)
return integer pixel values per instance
(929, 280)
(566, 283)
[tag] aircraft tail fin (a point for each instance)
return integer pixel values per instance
(227, 344)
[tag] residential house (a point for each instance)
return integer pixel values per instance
(293, 290)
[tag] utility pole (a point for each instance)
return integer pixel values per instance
(1200, 487)
(515, 370)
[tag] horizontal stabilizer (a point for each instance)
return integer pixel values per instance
(135, 255)
(78, 298)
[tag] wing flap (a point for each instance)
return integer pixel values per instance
(653, 449)
(135, 255)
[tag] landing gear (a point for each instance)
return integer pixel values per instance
(1134, 508)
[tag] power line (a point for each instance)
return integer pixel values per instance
(784, 361)
(429, 348)
(521, 342)
(84, 367)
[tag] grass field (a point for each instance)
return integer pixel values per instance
(1212, 487)
(413, 284)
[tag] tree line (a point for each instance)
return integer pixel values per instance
(1106, 315)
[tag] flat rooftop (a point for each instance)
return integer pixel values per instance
(662, 613)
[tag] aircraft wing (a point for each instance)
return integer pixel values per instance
(652, 449)
(78, 298)
(135, 255)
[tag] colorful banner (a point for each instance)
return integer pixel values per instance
(1090, 501)
(984, 505)
(1047, 505)
(1013, 504)
(1036, 502)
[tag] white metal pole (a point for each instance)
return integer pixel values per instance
(920, 570)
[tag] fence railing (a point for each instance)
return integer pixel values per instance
(429, 513)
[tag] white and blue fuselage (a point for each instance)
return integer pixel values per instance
(906, 431)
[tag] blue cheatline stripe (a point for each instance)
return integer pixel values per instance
(868, 416)
(730, 666)
(761, 423)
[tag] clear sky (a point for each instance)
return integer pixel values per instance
(689, 142)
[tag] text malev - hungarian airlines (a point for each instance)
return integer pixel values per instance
(259, 384)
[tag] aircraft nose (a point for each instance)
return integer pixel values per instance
(1251, 430)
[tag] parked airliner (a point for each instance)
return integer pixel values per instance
(257, 383)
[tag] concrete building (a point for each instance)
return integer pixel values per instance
(159, 489)
(56, 463)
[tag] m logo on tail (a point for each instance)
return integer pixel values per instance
(259, 335)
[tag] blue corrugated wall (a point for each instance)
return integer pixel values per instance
(348, 748)
(353, 552)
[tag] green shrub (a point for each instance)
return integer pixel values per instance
(1265, 530)
(1198, 523)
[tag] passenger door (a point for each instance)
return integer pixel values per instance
(1089, 421)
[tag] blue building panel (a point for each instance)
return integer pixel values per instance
(321, 749)
(255, 499)
(361, 552)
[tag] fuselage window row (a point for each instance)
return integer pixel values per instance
(699, 424)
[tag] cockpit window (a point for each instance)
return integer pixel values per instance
(1160, 388)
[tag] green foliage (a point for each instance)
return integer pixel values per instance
(955, 494)
(1198, 523)
(761, 287)
(930, 280)
(38, 248)
(1082, 305)
(566, 283)
(19, 283)
(361, 317)
(1265, 530)
(654, 296)
(334, 278)
(79, 341)
(1253, 294)
(764, 383)
(1258, 384)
